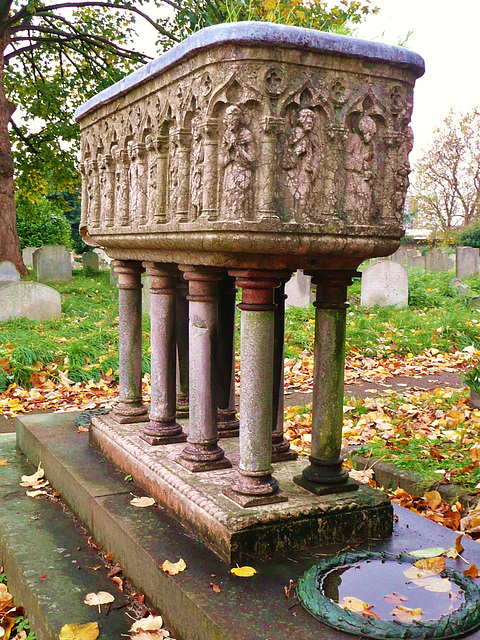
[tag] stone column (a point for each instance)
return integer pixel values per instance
(227, 420)
(122, 188)
(130, 407)
(182, 158)
(138, 184)
(267, 167)
(182, 347)
(93, 187)
(202, 452)
(280, 447)
(106, 167)
(325, 473)
(162, 428)
(84, 202)
(253, 483)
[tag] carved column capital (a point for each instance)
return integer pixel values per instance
(273, 124)
(332, 288)
(257, 287)
(202, 282)
(128, 272)
(209, 127)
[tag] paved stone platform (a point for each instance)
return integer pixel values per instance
(244, 609)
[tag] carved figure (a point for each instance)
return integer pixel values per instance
(403, 170)
(196, 169)
(300, 159)
(237, 158)
(360, 168)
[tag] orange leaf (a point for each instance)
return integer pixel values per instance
(471, 572)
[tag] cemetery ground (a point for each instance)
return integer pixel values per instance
(71, 364)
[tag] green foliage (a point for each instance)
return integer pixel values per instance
(43, 222)
(470, 236)
(472, 379)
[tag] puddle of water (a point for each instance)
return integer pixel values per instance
(371, 580)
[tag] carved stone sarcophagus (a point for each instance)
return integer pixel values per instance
(252, 145)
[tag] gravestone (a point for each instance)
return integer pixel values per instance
(385, 284)
(467, 262)
(416, 262)
(8, 273)
(30, 300)
(146, 295)
(53, 264)
(90, 260)
(298, 290)
(410, 257)
(436, 261)
(399, 256)
(27, 256)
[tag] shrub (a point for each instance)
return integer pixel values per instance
(470, 236)
(42, 223)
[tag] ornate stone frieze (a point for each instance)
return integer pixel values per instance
(239, 136)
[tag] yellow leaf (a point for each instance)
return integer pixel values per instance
(3, 463)
(243, 572)
(35, 494)
(172, 568)
(434, 584)
(427, 553)
(145, 501)
(435, 565)
(151, 623)
(433, 499)
(455, 551)
(87, 631)
(31, 481)
(351, 603)
(471, 572)
(404, 614)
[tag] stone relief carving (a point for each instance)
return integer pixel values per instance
(300, 159)
(267, 145)
(237, 158)
(360, 168)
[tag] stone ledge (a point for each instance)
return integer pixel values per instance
(238, 534)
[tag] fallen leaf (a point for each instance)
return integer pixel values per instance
(456, 550)
(31, 481)
(427, 553)
(363, 476)
(435, 565)
(414, 573)
(151, 623)
(115, 570)
(82, 428)
(6, 599)
(97, 599)
(243, 572)
(118, 581)
(471, 572)
(394, 598)
(145, 501)
(215, 587)
(404, 614)
(172, 568)
(433, 499)
(350, 603)
(109, 557)
(21, 635)
(92, 544)
(434, 584)
(36, 493)
(87, 631)
(368, 613)
(3, 463)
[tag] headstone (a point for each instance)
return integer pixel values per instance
(298, 290)
(8, 273)
(113, 276)
(27, 256)
(411, 255)
(463, 290)
(455, 282)
(474, 302)
(377, 260)
(416, 262)
(30, 300)
(35, 256)
(467, 262)
(91, 260)
(146, 295)
(53, 264)
(385, 284)
(436, 261)
(399, 256)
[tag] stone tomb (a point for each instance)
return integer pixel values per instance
(52, 263)
(245, 153)
(383, 284)
(90, 260)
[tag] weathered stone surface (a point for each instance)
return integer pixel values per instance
(52, 263)
(384, 284)
(29, 300)
(416, 262)
(27, 256)
(298, 290)
(436, 261)
(8, 273)
(252, 155)
(467, 262)
(91, 260)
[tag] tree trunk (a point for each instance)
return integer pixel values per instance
(9, 243)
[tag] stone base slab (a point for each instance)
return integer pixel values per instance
(235, 533)
(202, 466)
(254, 501)
(325, 489)
(161, 440)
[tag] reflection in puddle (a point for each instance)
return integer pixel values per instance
(371, 580)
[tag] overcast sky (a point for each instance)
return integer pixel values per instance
(445, 33)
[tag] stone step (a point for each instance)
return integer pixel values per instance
(48, 562)
(142, 539)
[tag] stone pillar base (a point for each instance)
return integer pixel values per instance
(253, 501)
(165, 432)
(183, 406)
(228, 423)
(325, 489)
(123, 414)
(197, 458)
(281, 450)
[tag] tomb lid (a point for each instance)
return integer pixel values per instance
(259, 33)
